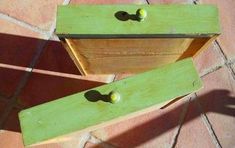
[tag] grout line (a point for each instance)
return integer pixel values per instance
(28, 25)
(21, 68)
(208, 124)
(227, 63)
(220, 51)
(181, 121)
(211, 70)
(52, 73)
(22, 23)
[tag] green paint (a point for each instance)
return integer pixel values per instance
(75, 112)
(84, 21)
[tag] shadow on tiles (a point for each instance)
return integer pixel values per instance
(217, 101)
(55, 74)
(41, 88)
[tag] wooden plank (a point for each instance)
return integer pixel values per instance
(97, 21)
(88, 110)
(113, 56)
(128, 65)
(79, 60)
(108, 56)
(127, 47)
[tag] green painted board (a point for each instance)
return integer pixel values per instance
(138, 93)
(91, 21)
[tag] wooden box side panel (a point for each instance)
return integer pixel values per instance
(108, 56)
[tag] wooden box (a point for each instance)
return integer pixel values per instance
(107, 39)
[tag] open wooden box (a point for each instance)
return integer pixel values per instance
(104, 39)
(107, 39)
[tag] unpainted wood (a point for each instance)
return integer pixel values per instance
(74, 54)
(106, 56)
(80, 59)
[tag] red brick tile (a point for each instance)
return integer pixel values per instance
(9, 81)
(207, 59)
(55, 58)
(10, 139)
(217, 99)
(148, 130)
(12, 121)
(193, 132)
(74, 140)
(37, 13)
(17, 45)
(170, 1)
(42, 88)
(227, 21)
(2, 106)
(107, 1)
(92, 145)
(16, 30)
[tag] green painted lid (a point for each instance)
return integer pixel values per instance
(97, 21)
(89, 109)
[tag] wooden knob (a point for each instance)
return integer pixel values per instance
(114, 97)
(141, 14)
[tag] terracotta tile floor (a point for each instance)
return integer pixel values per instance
(34, 68)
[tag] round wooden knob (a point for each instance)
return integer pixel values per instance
(114, 97)
(141, 14)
